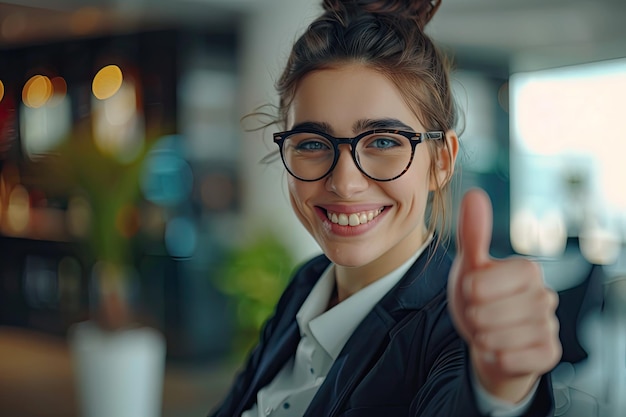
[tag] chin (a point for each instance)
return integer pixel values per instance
(350, 258)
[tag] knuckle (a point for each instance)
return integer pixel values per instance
(477, 290)
(469, 288)
(474, 316)
(557, 352)
(550, 325)
(543, 333)
(483, 341)
(507, 360)
(532, 271)
(548, 300)
(554, 353)
(555, 300)
(553, 350)
(556, 326)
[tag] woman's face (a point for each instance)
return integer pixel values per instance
(348, 100)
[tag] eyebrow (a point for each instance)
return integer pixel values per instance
(318, 126)
(359, 126)
(387, 123)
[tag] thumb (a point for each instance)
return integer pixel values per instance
(474, 229)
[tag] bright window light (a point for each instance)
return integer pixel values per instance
(567, 149)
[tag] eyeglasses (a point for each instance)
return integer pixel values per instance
(381, 154)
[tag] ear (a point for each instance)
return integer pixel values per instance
(445, 160)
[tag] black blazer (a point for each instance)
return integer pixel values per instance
(404, 359)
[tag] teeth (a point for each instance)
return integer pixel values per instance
(353, 219)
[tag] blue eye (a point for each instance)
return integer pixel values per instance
(312, 145)
(383, 143)
(305, 142)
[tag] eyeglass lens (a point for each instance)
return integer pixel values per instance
(381, 156)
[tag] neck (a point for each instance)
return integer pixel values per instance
(350, 280)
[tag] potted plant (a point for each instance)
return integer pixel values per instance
(119, 362)
(253, 276)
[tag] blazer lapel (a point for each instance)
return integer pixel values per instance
(284, 342)
(274, 358)
(362, 349)
(421, 283)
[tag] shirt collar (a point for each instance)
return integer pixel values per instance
(333, 328)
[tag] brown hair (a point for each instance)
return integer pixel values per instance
(388, 36)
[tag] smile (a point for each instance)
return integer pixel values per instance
(353, 219)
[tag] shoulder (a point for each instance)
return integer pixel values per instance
(423, 286)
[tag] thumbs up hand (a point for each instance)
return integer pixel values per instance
(501, 308)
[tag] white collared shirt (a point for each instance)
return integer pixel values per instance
(323, 335)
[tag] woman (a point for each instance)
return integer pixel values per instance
(384, 323)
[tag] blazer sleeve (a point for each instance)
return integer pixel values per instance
(448, 389)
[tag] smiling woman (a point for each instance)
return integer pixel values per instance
(355, 97)
(384, 322)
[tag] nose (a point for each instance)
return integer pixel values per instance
(346, 179)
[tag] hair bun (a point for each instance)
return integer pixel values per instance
(421, 11)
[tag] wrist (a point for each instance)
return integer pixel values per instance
(509, 388)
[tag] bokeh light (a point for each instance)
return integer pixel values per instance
(1, 90)
(118, 129)
(181, 237)
(167, 177)
(107, 82)
(524, 229)
(599, 245)
(46, 115)
(18, 210)
(544, 235)
(37, 91)
(59, 90)
(120, 109)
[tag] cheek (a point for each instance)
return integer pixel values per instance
(294, 189)
(419, 172)
(297, 195)
(411, 190)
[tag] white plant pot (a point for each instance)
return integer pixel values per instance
(118, 373)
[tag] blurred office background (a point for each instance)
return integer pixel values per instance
(211, 236)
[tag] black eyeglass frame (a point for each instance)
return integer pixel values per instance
(414, 138)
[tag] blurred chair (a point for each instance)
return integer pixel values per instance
(590, 366)
(575, 305)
